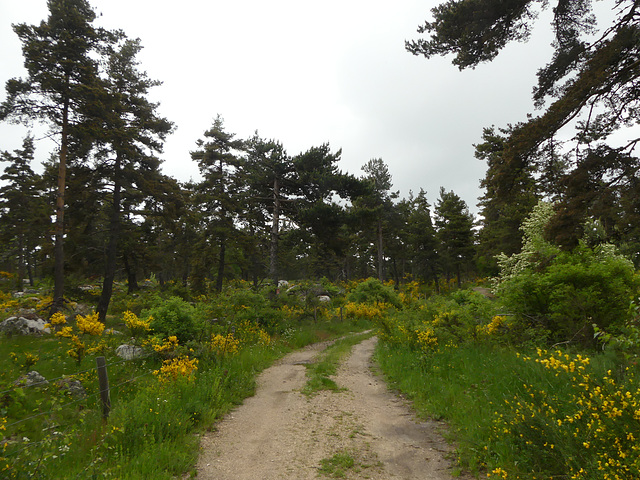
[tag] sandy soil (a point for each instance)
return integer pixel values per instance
(281, 434)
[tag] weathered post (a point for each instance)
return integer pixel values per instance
(103, 381)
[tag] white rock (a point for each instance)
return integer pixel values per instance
(129, 352)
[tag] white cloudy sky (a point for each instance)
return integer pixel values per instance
(306, 73)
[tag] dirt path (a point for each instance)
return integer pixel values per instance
(281, 434)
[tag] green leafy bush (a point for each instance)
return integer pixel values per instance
(176, 317)
(565, 293)
(372, 291)
(577, 290)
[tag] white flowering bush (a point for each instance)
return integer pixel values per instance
(564, 294)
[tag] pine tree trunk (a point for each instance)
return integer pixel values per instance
(273, 253)
(380, 253)
(21, 261)
(112, 247)
(58, 276)
(132, 281)
(221, 260)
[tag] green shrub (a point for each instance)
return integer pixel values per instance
(575, 291)
(373, 291)
(174, 316)
(243, 305)
(561, 295)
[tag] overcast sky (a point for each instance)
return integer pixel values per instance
(306, 73)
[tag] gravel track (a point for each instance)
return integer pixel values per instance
(281, 434)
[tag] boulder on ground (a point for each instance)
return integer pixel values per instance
(73, 387)
(324, 298)
(24, 325)
(129, 352)
(31, 379)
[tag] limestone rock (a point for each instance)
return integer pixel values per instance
(129, 352)
(31, 325)
(31, 379)
(74, 387)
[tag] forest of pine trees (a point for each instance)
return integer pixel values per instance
(103, 209)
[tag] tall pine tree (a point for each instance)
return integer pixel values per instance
(59, 55)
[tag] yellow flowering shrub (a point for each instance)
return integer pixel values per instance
(176, 368)
(90, 324)
(587, 430)
(250, 333)
(364, 311)
(56, 320)
(25, 361)
(44, 302)
(7, 301)
(65, 332)
(495, 326)
(168, 345)
(137, 326)
(77, 350)
(99, 348)
(426, 339)
(410, 293)
(223, 345)
(291, 313)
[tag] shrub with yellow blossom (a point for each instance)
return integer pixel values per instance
(224, 345)
(25, 361)
(588, 432)
(137, 327)
(250, 333)
(166, 347)
(497, 325)
(426, 339)
(291, 312)
(177, 368)
(358, 311)
(56, 321)
(65, 332)
(90, 324)
(77, 350)
(410, 293)
(7, 301)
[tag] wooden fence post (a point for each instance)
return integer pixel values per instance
(103, 380)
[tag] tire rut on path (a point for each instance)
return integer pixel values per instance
(281, 434)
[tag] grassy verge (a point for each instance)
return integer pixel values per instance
(154, 426)
(538, 416)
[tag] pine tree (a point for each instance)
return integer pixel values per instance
(510, 195)
(133, 134)
(421, 238)
(62, 73)
(375, 207)
(455, 234)
(590, 84)
(23, 209)
(269, 179)
(219, 160)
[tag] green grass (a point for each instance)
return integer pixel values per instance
(320, 372)
(337, 466)
(525, 416)
(153, 429)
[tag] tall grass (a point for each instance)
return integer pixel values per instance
(154, 426)
(544, 415)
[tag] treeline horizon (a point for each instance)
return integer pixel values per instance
(258, 213)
